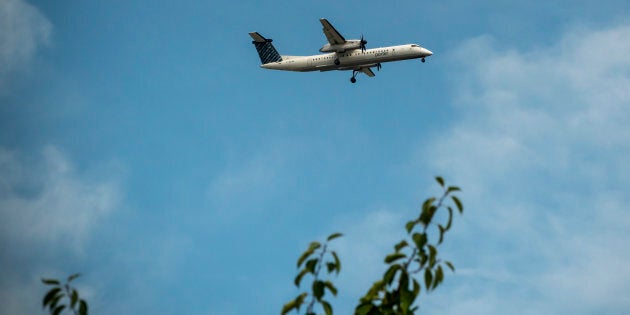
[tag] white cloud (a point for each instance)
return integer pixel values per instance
(541, 149)
(47, 209)
(23, 30)
(48, 202)
(19, 296)
(247, 186)
(252, 179)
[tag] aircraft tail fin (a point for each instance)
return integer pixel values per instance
(266, 51)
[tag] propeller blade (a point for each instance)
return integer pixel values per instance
(362, 43)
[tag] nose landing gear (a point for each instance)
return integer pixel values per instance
(422, 59)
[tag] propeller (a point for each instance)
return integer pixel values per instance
(362, 43)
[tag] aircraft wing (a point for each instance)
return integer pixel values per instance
(367, 71)
(333, 36)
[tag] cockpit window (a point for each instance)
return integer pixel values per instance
(414, 45)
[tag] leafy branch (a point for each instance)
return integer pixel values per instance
(414, 260)
(53, 300)
(311, 262)
(397, 291)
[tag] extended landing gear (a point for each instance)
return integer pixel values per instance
(422, 59)
(354, 76)
(337, 62)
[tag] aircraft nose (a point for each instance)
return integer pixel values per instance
(426, 52)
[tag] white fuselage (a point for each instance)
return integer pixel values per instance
(349, 60)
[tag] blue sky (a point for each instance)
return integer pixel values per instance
(141, 145)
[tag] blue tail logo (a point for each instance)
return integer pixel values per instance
(266, 51)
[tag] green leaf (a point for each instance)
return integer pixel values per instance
(74, 298)
(432, 255)
(333, 236)
(331, 267)
(288, 307)
(389, 299)
(58, 310)
(331, 287)
(83, 308)
(55, 301)
(327, 308)
(403, 282)
(400, 245)
(406, 299)
(420, 239)
(373, 292)
(439, 277)
(440, 180)
(427, 214)
(450, 218)
(409, 226)
(416, 288)
(310, 265)
(311, 249)
(422, 253)
(51, 281)
(428, 203)
(458, 203)
(299, 277)
(74, 276)
(337, 261)
(390, 274)
(294, 304)
(450, 265)
(428, 278)
(318, 289)
(393, 257)
(441, 228)
(50, 296)
(304, 256)
(452, 189)
(364, 308)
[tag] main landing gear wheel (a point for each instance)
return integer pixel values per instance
(353, 80)
(354, 75)
(422, 59)
(337, 62)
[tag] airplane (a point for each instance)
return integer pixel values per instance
(339, 54)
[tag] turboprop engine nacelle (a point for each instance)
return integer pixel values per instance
(348, 45)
